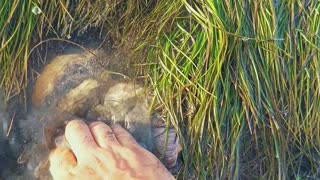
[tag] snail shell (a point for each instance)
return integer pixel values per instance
(64, 73)
(77, 85)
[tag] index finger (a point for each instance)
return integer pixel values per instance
(80, 139)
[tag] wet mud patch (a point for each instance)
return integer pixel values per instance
(88, 83)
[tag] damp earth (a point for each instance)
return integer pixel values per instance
(88, 83)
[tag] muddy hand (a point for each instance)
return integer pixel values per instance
(102, 152)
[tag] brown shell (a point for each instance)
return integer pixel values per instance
(76, 84)
(63, 70)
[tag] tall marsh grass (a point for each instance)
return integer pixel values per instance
(238, 80)
(16, 29)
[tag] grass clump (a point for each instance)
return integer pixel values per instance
(16, 30)
(240, 81)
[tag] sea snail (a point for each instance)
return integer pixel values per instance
(76, 85)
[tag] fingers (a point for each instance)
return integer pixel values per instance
(124, 137)
(80, 139)
(103, 135)
(62, 160)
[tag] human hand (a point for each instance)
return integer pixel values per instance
(98, 151)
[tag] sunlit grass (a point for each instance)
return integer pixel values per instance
(15, 35)
(238, 80)
(242, 81)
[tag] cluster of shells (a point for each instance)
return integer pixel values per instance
(78, 86)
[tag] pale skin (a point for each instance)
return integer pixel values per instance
(99, 151)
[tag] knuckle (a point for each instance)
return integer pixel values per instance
(109, 134)
(75, 124)
(117, 127)
(96, 124)
(125, 137)
(100, 127)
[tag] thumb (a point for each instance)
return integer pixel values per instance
(62, 160)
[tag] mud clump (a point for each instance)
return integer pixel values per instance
(78, 86)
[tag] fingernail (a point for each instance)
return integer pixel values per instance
(75, 121)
